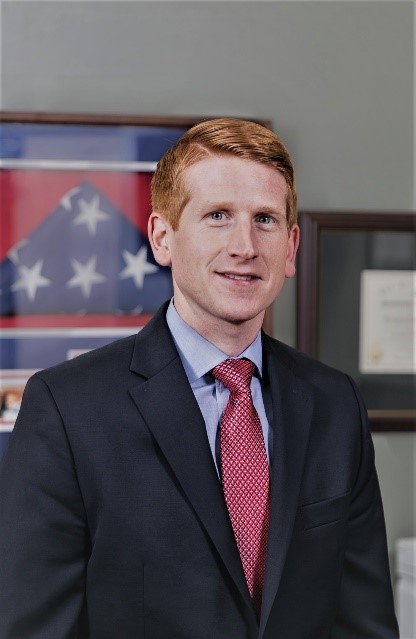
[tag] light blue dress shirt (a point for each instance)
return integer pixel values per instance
(199, 357)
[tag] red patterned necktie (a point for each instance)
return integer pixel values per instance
(245, 472)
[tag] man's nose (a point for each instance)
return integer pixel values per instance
(242, 241)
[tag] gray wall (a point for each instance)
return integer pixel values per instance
(336, 79)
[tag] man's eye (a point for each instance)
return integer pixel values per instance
(217, 215)
(265, 219)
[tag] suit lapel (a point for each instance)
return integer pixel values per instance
(171, 412)
(292, 414)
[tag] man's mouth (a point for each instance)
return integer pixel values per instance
(234, 276)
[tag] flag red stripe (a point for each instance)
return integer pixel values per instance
(74, 321)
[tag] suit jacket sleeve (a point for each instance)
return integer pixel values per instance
(43, 540)
(366, 600)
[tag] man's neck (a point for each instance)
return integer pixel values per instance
(231, 338)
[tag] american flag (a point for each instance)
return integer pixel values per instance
(84, 258)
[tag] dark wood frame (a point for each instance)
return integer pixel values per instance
(174, 121)
(312, 223)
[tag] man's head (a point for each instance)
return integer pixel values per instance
(224, 221)
(226, 136)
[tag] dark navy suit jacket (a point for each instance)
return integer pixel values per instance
(113, 523)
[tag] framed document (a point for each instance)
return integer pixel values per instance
(387, 322)
(356, 306)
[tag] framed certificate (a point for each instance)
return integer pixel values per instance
(387, 322)
(356, 306)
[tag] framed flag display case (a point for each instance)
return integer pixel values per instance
(76, 268)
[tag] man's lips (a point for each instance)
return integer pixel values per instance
(244, 277)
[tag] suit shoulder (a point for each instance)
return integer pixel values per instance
(99, 361)
(302, 365)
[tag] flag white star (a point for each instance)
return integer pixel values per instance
(66, 199)
(137, 310)
(13, 254)
(85, 275)
(30, 280)
(137, 266)
(90, 214)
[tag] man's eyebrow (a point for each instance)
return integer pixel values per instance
(227, 206)
(272, 210)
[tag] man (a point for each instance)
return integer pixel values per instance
(199, 480)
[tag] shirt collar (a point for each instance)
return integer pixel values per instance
(198, 355)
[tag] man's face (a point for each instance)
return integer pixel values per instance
(232, 249)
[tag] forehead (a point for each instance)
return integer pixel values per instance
(225, 176)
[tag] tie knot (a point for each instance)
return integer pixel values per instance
(235, 374)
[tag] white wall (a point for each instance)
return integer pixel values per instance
(336, 79)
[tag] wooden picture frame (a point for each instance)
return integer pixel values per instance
(335, 249)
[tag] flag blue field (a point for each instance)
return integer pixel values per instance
(85, 257)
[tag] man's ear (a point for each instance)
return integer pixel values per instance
(292, 249)
(159, 229)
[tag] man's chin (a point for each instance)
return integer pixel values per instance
(239, 318)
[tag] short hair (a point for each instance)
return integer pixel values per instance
(225, 136)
